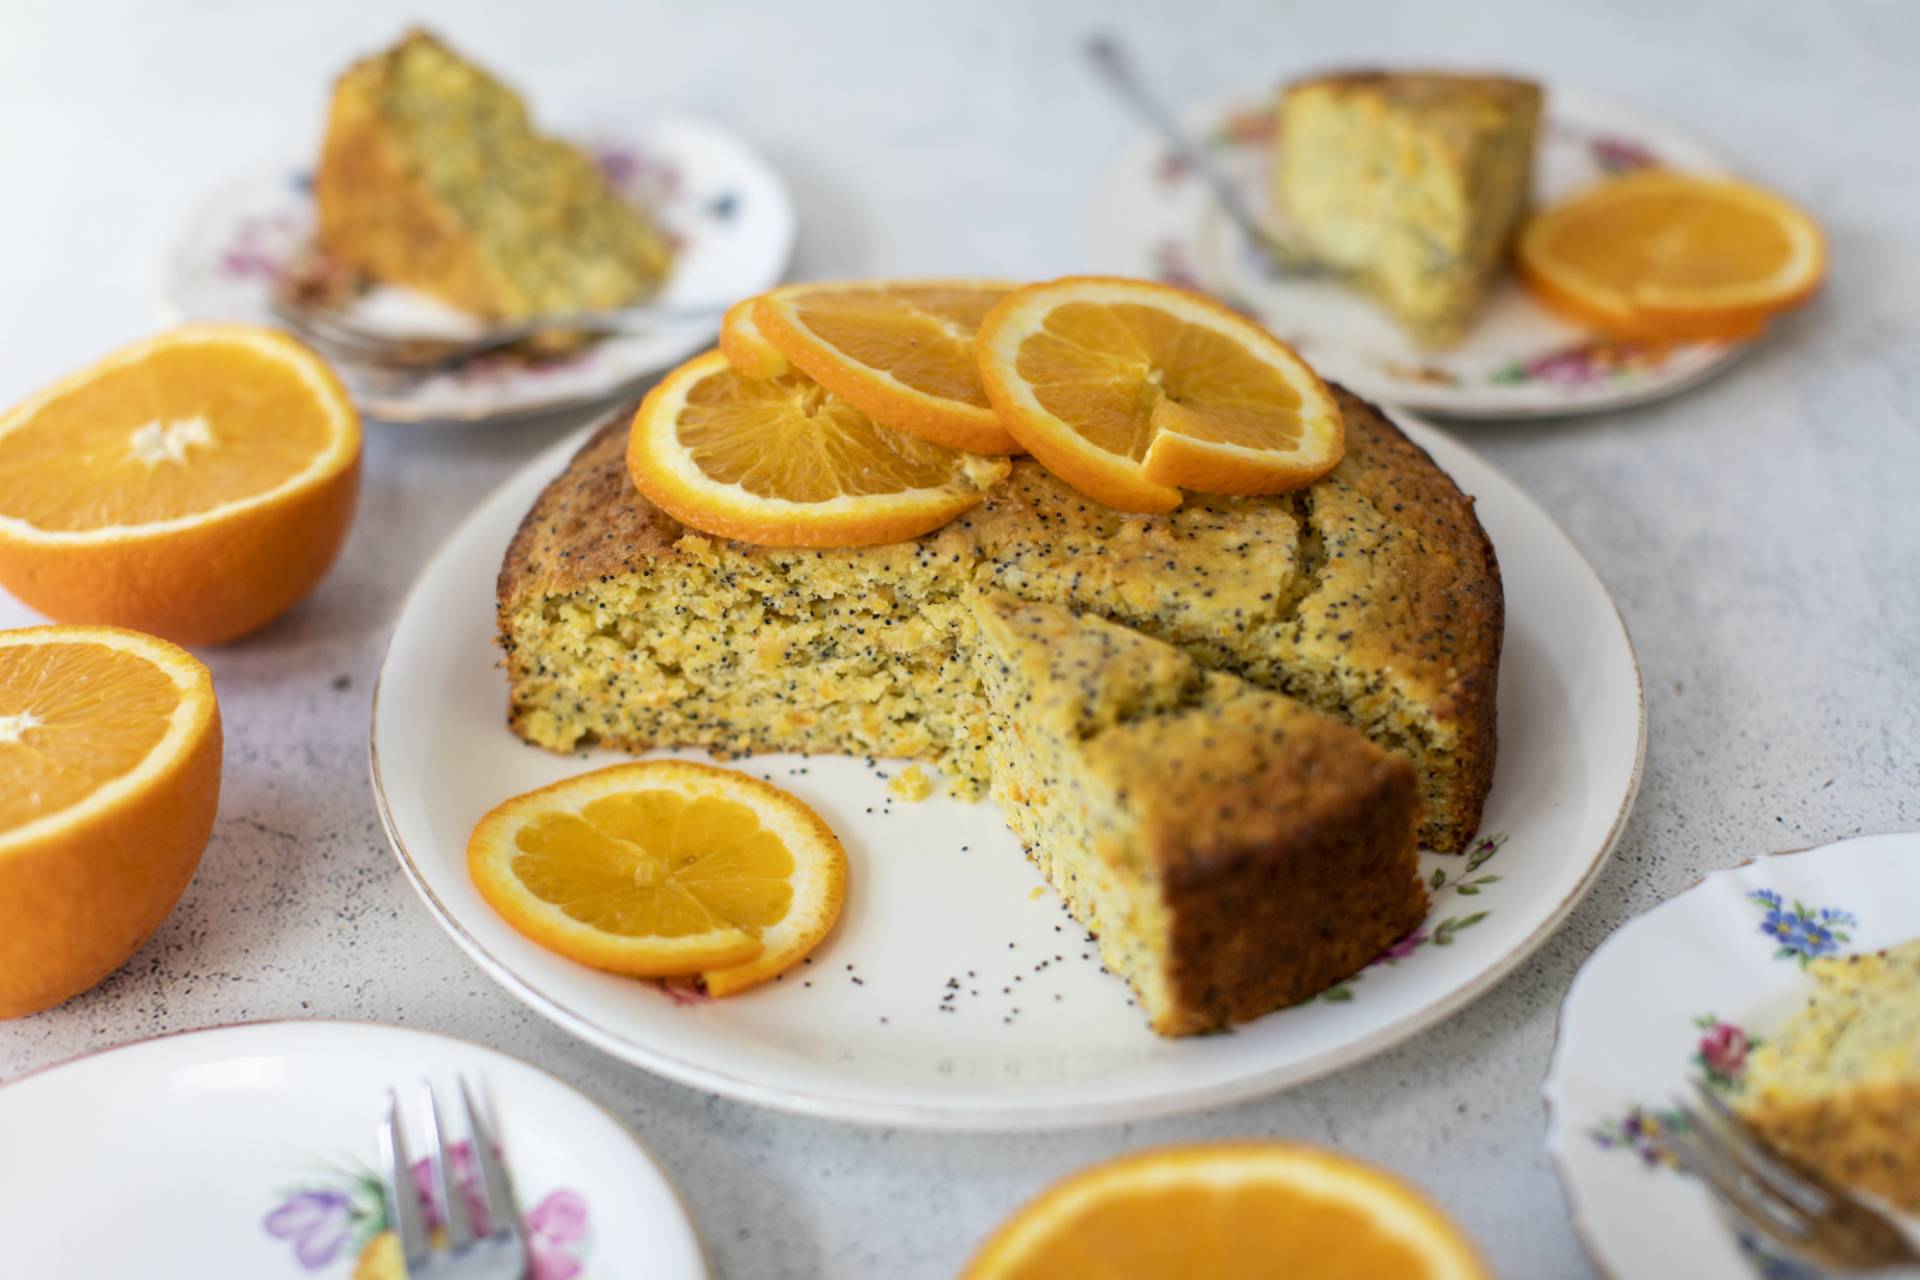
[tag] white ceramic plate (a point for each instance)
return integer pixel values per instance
(249, 1151)
(1728, 954)
(1155, 219)
(729, 210)
(955, 993)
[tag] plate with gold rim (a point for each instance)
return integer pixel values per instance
(1154, 218)
(727, 210)
(1731, 953)
(955, 993)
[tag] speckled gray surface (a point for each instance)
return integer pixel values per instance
(1762, 534)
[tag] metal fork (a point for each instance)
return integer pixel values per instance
(341, 338)
(492, 1247)
(1805, 1216)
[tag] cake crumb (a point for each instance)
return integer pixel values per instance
(911, 783)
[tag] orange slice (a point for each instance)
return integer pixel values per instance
(1668, 256)
(1229, 1210)
(664, 868)
(745, 347)
(900, 350)
(109, 778)
(196, 485)
(785, 463)
(1131, 391)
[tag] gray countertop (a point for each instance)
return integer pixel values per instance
(1761, 533)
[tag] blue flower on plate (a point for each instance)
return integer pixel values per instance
(1766, 896)
(1782, 926)
(1802, 933)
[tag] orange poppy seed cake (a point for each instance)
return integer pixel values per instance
(1371, 600)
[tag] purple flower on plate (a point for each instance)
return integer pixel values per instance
(1403, 948)
(465, 1177)
(317, 1222)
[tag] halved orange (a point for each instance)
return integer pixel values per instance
(785, 463)
(664, 868)
(899, 350)
(1132, 391)
(745, 347)
(195, 485)
(109, 779)
(1232, 1211)
(1663, 256)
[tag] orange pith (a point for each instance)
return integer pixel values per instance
(110, 750)
(1235, 1211)
(1132, 391)
(1662, 256)
(783, 462)
(195, 485)
(899, 350)
(664, 868)
(745, 347)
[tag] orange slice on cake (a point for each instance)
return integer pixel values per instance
(899, 350)
(745, 347)
(1229, 1210)
(1132, 391)
(1669, 256)
(664, 868)
(784, 462)
(196, 485)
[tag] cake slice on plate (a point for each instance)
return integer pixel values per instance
(1412, 182)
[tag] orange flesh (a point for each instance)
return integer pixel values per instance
(179, 432)
(787, 437)
(654, 863)
(73, 717)
(1122, 372)
(1668, 239)
(922, 336)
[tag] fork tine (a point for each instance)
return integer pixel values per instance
(502, 1218)
(396, 1181)
(441, 1178)
(1752, 1200)
(1763, 1164)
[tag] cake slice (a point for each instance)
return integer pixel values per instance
(1837, 1087)
(1413, 182)
(1233, 851)
(432, 177)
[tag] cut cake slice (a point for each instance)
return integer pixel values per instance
(1233, 851)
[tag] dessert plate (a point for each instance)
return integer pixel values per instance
(1730, 954)
(955, 992)
(1155, 219)
(729, 212)
(249, 1150)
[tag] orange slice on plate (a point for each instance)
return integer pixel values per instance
(1131, 391)
(1229, 1210)
(664, 868)
(110, 756)
(196, 485)
(1669, 256)
(785, 463)
(745, 347)
(900, 350)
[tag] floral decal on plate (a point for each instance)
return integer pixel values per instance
(1720, 1054)
(1801, 932)
(1585, 364)
(1464, 883)
(341, 1219)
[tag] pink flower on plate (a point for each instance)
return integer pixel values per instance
(1403, 948)
(1724, 1048)
(554, 1227)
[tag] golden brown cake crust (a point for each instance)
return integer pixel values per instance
(1397, 585)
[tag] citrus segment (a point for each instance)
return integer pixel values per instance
(1667, 256)
(783, 462)
(195, 485)
(1229, 1210)
(1131, 391)
(745, 347)
(900, 350)
(110, 750)
(664, 868)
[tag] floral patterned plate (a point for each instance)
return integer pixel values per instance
(248, 1151)
(1155, 219)
(955, 993)
(1686, 990)
(730, 213)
